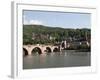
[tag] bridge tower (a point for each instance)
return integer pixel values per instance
(63, 44)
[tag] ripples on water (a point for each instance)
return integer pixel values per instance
(57, 59)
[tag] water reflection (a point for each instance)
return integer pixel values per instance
(66, 58)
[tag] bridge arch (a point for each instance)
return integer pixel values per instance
(36, 50)
(55, 49)
(25, 52)
(48, 49)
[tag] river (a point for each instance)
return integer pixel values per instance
(66, 58)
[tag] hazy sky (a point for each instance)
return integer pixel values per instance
(57, 19)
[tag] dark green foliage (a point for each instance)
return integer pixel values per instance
(39, 34)
(81, 48)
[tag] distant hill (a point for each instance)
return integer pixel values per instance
(57, 32)
(42, 28)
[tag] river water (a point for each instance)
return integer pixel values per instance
(66, 58)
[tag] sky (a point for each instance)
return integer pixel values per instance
(57, 19)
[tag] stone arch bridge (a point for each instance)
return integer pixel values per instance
(42, 48)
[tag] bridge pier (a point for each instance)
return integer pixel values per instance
(29, 52)
(43, 50)
(60, 48)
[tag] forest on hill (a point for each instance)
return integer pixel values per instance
(40, 34)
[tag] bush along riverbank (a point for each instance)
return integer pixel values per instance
(80, 48)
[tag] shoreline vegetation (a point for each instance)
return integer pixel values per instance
(77, 39)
